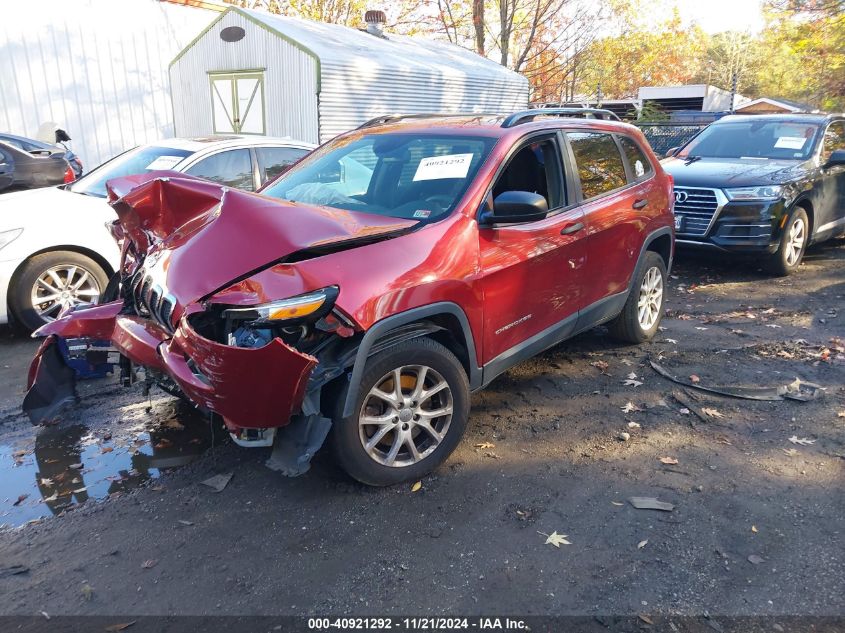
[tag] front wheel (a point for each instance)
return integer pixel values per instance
(640, 318)
(792, 245)
(410, 412)
(49, 282)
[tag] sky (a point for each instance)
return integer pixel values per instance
(722, 15)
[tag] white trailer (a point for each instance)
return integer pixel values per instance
(257, 73)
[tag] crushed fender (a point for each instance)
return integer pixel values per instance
(796, 390)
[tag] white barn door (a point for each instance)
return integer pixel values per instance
(237, 103)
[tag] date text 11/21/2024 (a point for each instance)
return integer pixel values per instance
(417, 624)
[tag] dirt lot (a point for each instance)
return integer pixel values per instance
(757, 525)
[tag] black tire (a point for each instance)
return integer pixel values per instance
(346, 438)
(627, 326)
(20, 294)
(783, 261)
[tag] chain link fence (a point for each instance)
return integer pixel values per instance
(664, 136)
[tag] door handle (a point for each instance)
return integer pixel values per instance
(639, 204)
(572, 228)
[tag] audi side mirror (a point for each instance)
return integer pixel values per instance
(836, 158)
(511, 207)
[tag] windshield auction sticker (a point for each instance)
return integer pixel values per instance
(790, 142)
(164, 162)
(439, 167)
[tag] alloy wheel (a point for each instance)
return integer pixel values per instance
(405, 416)
(650, 299)
(795, 241)
(62, 286)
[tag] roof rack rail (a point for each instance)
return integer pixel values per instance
(392, 118)
(529, 115)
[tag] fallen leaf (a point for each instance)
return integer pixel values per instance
(772, 325)
(645, 618)
(149, 564)
(631, 376)
(20, 499)
(52, 497)
(672, 341)
(792, 452)
(642, 544)
(651, 503)
(119, 627)
(630, 407)
(46, 481)
(669, 461)
(106, 449)
(632, 383)
(78, 490)
(416, 487)
(755, 560)
(684, 411)
(694, 379)
(601, 365)
(700, 328)
(485, 445)
(87, 592)
(713, 413)
(784, 354)
(616, 503)
(841, 414)
(754, 529)
(803, 441)
(634, 425)
(176, 425)
(75, 466)
(556, 539)
(218, 482)
(183, 522)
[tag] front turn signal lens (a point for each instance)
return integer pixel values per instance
(313, 303)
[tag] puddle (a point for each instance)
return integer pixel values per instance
(67, 465)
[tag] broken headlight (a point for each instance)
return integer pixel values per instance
(307, 307)
(290, 319)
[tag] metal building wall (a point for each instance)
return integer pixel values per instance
(290, 80)
(98, 68)
(349, 96)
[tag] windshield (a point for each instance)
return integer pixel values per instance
(781, 140)
(412, 176)
(135, 161)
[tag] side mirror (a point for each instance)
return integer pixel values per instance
(511, 207)
(671, 152)
(837, 157)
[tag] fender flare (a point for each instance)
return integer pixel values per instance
(380, 328)
(646, 243)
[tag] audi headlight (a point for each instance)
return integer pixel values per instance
(7, 237)
(772, 192)
(308, 306)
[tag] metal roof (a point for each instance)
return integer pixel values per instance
(341, 45)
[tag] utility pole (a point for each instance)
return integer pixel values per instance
(598, 96)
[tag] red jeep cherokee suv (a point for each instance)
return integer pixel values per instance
(364, 294)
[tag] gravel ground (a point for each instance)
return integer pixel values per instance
(558, 444)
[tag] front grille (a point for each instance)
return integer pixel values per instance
(151, 300)
(697, 210)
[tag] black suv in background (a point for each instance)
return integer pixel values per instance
(768, 184)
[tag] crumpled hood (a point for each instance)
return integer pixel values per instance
(199, 236)
(732, 172)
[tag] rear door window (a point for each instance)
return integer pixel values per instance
(639, 165)
(232, 168)
(599, 163)
(272, 161)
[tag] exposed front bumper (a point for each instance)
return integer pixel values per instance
(248, 388)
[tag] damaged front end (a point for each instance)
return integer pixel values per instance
(191, 317)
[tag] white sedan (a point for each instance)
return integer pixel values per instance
(55, 250)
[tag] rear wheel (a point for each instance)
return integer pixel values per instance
(792, 245)
(640, 318)
(50, 282)
(410, 411)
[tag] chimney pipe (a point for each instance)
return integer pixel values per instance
(375, 22)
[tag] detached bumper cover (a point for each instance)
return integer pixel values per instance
(248, 387)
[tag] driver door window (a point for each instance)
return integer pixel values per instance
(535, 168)
(834, 139)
